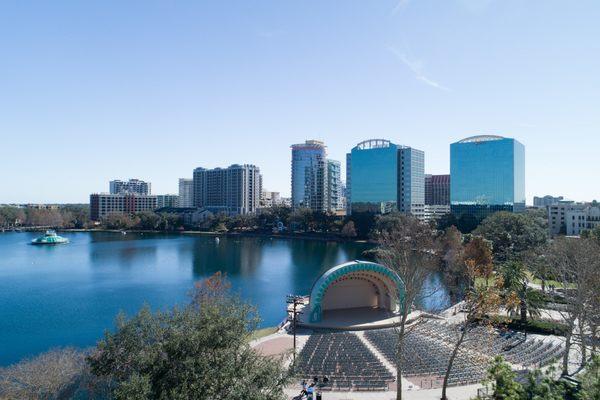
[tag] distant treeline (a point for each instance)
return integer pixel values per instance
(281, 219)
(63, 216)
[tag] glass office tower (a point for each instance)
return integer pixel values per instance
(382, 177)
(334, 185)
(309, 175)
(488, 175)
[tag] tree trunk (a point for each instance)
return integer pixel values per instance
(523, 304)
(565, 361)
(451, 361)
(581, 327)
(543, 285)
(399, 356)
(594, 330)
(523, 311)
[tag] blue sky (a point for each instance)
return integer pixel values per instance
(92, 91)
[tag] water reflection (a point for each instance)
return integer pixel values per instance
(125, 253)
(235, 256)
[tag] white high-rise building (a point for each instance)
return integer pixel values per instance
(186, 192)
(131, 186)
(316, 182)
(232, 190)
(167, 200)
(557, 216)
(569, 218)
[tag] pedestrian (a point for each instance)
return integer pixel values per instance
(311, 391)
(304, 387)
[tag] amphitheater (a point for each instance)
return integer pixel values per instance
(347, 333)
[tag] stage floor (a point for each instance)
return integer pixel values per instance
(352, 319)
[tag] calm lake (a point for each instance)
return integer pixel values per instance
(67, 295)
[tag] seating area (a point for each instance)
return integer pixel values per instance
(345, 360)
(513, 346)
(429, 346)
(350, 365)
(533, 353)
(424, 356)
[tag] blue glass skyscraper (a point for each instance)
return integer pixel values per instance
(382, 177)
(487, 175)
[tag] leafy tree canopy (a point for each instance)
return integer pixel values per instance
(198, 352)
(512, 234)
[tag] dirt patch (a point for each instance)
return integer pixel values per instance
(275, 346)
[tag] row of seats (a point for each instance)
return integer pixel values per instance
(350, 365)
(345, 360)
(428, 347)
(424, 356)
(512, 345)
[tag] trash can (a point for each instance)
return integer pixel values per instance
(319, 396)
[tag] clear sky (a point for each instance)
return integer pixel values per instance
(93, 91)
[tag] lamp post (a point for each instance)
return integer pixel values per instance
(295, 300)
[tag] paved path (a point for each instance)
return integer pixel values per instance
(454, 393)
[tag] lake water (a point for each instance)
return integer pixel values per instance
(69, 294)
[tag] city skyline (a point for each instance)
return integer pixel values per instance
(96, 92)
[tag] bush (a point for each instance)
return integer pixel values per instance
(541, 327)
(199, 352)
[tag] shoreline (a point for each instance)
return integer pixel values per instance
(317, 237)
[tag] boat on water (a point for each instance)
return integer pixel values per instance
(50, 238)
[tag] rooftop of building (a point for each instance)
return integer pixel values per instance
(370, 144)
(481, 138)
(123, 194)
(232, 166)
(310, 144)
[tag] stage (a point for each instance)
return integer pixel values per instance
(354, 319)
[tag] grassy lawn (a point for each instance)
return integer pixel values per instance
(263, 332)
(541, 327)
(556, 284)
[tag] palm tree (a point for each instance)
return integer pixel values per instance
(516, 283)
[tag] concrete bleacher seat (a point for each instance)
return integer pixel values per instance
(350, 365)
(428, 347)
(345, 360)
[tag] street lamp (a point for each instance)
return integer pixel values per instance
(295, 300)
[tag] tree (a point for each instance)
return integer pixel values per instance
(512, 234)
(478, 253)
(364, 222)
(269, 218)
(480, 300)
(120, 221)
(516, 285)
(501, 380)
(243, 222)
(576, 264)
(75, 215)
(446, 221)
(590, 380)
(467, 223)
(348, 230)
(451, 256)
(542, 386)
(148, 220)
(43, 217)
(538, 385)
(537, 263)
(591, 233)
(302, 219)
(200, 351)
(51, 375)
(408, 247)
